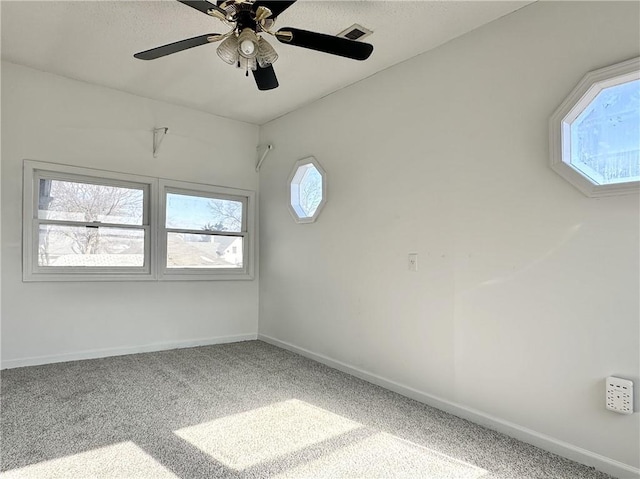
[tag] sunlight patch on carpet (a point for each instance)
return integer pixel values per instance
(384, 455)
(265, 434)
(122, 460)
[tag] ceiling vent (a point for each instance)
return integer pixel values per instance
(355, 32)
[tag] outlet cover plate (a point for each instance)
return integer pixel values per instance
(619, 395)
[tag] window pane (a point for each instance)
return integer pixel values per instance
(71, 201)
(306, 190)
(203, 251)
(310, 191)
(96, 247)
(605, 138)
(202, 213)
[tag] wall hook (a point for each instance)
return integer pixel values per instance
(158, 136)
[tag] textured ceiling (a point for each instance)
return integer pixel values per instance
(94, 41)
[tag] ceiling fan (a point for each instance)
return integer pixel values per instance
(244, 47)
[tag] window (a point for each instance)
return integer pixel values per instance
(82, 224)
(307, 190)
(595, 133)
(205, 231)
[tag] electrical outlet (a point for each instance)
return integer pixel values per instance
(619, 395)
(413, 261)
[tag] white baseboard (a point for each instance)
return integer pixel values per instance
(102, 353)
(548, 443)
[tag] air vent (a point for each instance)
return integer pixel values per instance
(355, 32)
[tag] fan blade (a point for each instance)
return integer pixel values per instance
(265, 78)
(326, 43)
(276, 6)
(175, 47)
(203, 6)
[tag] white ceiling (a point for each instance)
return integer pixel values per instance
(94, 41)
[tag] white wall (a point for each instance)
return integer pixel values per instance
(527, 294)
(54, 119)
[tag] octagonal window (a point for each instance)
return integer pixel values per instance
(595, 133)
(605, 137)
(307, 190)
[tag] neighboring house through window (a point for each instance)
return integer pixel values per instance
(83, 224)
(206, 230)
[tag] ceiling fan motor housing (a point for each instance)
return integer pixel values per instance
(245, 18)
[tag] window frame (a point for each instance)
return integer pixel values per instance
(246, 197)
(560, 124)
(153, 224)
(33, 172)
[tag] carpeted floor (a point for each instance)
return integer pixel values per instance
(242, 410)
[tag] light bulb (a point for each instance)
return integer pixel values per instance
(248, 43)
(247, 47)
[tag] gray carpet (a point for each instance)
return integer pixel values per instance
(243, 410)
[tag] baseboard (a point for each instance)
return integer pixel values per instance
(548, 443)
(102, 353)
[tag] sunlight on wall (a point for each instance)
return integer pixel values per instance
(560, 244)
(118, 460)
(253, 437)
(284, 432)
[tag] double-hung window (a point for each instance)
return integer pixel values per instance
(205, 231)
(86, 224)
(91, 225)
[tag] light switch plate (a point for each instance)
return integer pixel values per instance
(413, 261)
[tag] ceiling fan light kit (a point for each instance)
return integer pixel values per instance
(243, 47)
